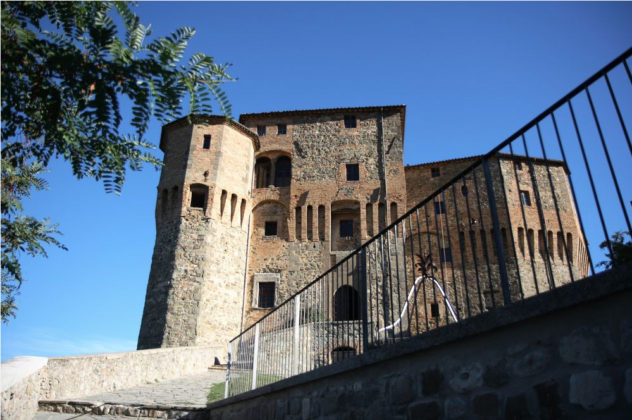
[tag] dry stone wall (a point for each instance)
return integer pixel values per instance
(563, 355)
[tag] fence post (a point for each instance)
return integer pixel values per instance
(365, 303)
(297, 334)
(227, 382)
(502, 267)
(255, 357)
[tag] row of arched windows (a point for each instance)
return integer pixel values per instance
(316, 217)
(557, 246)
(199, 198)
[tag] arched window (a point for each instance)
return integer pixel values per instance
(262, 172)
(346, 304)
(233, 206)
(341, 353)
(310, 223)
(283, 172)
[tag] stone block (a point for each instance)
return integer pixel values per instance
(592, 390)
(467, 378)
(534, 361)
(587, 346)
(455, 407)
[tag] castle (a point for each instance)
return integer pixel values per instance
(250, 212)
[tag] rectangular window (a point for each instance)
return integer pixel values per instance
(518, 165)
(353, 172)
(281, 129)
(434, 310)
(435, 172)
(346, 228)
(261, 130)
(439, 207)
(525, 198)
(350, 121)
(207, 141)
(446, 254)
(266, 294)
(198, 199)
(271, 228)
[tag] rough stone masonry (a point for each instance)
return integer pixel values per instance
(249, 212)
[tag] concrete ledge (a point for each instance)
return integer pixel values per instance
(118, 409)
(581, 292)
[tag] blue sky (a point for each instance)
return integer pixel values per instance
(470, 74)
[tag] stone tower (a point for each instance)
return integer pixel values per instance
(195, 289)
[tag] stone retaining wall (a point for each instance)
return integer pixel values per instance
(565, 354)
(67, 377)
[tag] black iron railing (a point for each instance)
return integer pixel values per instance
(545, 208)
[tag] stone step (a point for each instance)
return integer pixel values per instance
(115, 409)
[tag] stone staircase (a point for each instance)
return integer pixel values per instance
(182, 398)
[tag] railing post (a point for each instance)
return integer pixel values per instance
(364, 304)
(297, 334)
(255, 357)
(502, 267)
(227, 382)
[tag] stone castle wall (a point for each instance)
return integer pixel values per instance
(309, 209)
(539, 253)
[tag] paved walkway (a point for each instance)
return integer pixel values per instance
(190, 391)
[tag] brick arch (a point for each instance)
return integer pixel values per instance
(271, 211)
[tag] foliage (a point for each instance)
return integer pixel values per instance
(68, 73)
(621, 250)
(20, 234)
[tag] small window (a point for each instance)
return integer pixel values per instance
(446, 254)
(271, 228)
(207, 141)
(266, 294)
(518, 165)
(197, 199)
(434, 310)
(281, 129)
(353, 172)
(464, 190)
(346, 228)
(439, 207)
(525, 198)
(435, 172)
(261, 130)
(350, 121)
